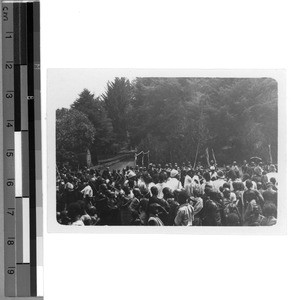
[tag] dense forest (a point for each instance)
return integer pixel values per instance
(173, 118)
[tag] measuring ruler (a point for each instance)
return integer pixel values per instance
(22, 149)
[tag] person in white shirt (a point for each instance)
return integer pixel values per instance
(161, 184)
(188, 182)
(87, 191)
(174, 183)
(219, 181)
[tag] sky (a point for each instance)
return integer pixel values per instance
(64, 85)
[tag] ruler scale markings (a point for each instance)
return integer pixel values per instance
(22, 164)
(8, 140)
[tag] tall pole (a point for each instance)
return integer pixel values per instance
(199, 130)
(196, 156)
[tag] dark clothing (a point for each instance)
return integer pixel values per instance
(270, 196)
(250, 195)
(173, 208)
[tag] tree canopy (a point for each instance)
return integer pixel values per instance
(173, 117)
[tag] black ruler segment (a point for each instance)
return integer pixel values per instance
(30, 50)
(31, 142)
(32, 200)
(17, 100)
(23, 34)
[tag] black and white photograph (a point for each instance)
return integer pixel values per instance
(165, 151)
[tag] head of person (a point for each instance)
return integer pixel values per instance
(226, 193)
(154, 191)
(162, 177)
(238, 186)
(92, 211)
(226, 185)
(167, 193)
(155, 178)
(269, 185)
(147, 178)
(208, 189)
(190, 172)
(273, 180)
(232, 220)
(220, 174)
(182, 197)
(272, 169)
(249, 184)
(174, 173)
(74, 211)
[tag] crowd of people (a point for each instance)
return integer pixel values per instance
(169, 195)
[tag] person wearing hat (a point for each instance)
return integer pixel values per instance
(174, 183)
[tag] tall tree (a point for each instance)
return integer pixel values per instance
(94, 109)
(117, 101)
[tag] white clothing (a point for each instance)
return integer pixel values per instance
(272, 175)
(160, 187)
(188, 185)
(87, 191)
(174, 184)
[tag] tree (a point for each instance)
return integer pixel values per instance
(74, 134)
(117, 102)
(95, 110)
